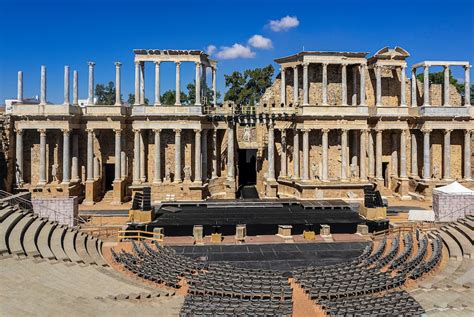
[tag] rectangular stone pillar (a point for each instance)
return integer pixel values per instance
(325, 84)
(403, 99)
(446, 86)
(42, 158)
(75, 158)
(371, 154)
(282, 86)
(96, 168)
(157, 84)
(354, 86)
(43, 85)
(305, 85)
(214, 87)
(324, 151)
(197, 157)
(447, 155)
(344, 84)
(283, 159)
(467, 85)
(90, 155)
(426, 155)
(19, 155)
(118, 85)
(426, 86)
(178, 84)
(343, 154)
(118, 150)
(230, 153)
(198, 234)
(378, 86)
(467, 155)
(403, 154)
(136, 156)
(413, 88)
(205, 174)
(142, 83)
(66, 157)
(75, 88)
(378, 155)
(305, 175)
(394, 159)
(20, 87)
(177, 157)
(296, 155)
(137, 84)
(214, 154)
(271, 152)
(123, 165)
(363, 71)
(197, 87)
(414, 155)
(295, 85)
(90, 97)
(142, 157)
(362, 150)
(66, 85)
(157, 167)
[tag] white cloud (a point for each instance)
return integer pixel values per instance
(235, 51)
(211, 49)
(284, 23)
(259, 41)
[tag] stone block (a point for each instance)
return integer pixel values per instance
(309, 235)
(158, 233)
(285, 231)
(216, 237)
(325, 230)
(198, 234)
(362, 230)
(240, 232)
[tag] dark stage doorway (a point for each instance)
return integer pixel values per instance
(385, 173)
(109, 176)
(247, 167)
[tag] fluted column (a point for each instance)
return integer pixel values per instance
(325, 84)
(142, 157)
(354, 86)
(20, 87)
(296, 154)
(123, 165)
(19, 154)
(446, 86)
(66, 86)
(177, 157)
(324, 150)
(214, 87)
(467, 155)
(371, 154)
(75, 88)
(197, 157)
(90, 98)
(378, 155)
(157, 168)
(96, 168)
(204, 155)
(271, 152)
(283, 166)
(378, 86)
(403, 154)
(178, 84)
(43, 85)
(157, 84)
(198, 84)
(305, 84)
(403, 80)
(467, 85)
(305, 174)
(394, 156)
(414, 155)
(363, 71)
(42, 158)
(282, 86)
(90, 155)
(230, 153)
(118, 86)
(413, 88)
(214, 154)
(75, 159)
(295, 85)
(142, 83)
(137, 84)
(344, 84)
(118, 150)
(136, 156)
(363, 151)
(426, 86)
(66, 157)
(343, 154)
(447, 154)
(204, 82)
(426, 154)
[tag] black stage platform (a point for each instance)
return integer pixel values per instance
(260, 217)
(282, 257)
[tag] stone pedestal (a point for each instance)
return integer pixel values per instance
(326, 233)
(198, 234)
(240, 233)
(284, 231)
(158, 233)
(362, 230)
(309, 235)
(271, 189)
(216, 237)
(89, 193)
(404, 188)
(118, 192)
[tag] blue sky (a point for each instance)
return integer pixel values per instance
(57, 33)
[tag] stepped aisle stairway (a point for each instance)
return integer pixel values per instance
(59, 270)
(451, 291)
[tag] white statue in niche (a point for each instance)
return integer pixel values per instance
(187, 173)
(315, 171)
(354, 170)
(54, 172)
(247, 136)
(167, 173)
(436, 172)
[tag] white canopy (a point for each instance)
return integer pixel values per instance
(454, 188)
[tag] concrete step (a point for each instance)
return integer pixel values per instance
(92, 249)
(468, 232)
(6, 226)
(16, 236)
(454, 249)
(43, 240)
(69, 248)
(5, 212)
(31, 236)
(56, 243)
(467, 222)
(463, 242)
(81, 248)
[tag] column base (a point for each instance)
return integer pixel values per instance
(158, 182)
(89, 194)
(118, 192)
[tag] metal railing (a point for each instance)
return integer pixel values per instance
(139, 235)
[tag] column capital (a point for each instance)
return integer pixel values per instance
(405, 132)
(66, 131)
(306, 130)
(344, 64)
(426, 130)
(198, 64)
(197, 131)
(378, 130)
(177, 63)
(19, 131)
(136, 130)
(325, 130)
(446, 67)
(137, 63)
(177, 131)
(118, 64)
(447, 131)
(91, 64)
(325, 64)
(157, 63)
(469, 130)
(364, 130)
(305, 64)
(118, 131)
(42, 132)
(90, 130)
(282, 68)
(467, 67)
(283, 131)
(344, 130)
(157, 130)
(295, 67)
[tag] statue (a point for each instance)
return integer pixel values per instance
(247, 134)
(167, 173)
(354, 170)
(436, 172)
(54, 172)
(187, 173)
(315, 171)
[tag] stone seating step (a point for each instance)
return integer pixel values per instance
(92, 245)
(463, 242)
(467, 222)
(5, 212)
(56, 243)
(81, 248)
(466, 231)
(43, 240)
(453, 248)
(6, 226)
(15, 242)
(69, 248)
(31, 235)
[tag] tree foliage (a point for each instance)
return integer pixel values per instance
(131, 99)
(248, 87)
(438, 78)
(105, 94)
(191, 97)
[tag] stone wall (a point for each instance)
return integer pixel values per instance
(63, 210)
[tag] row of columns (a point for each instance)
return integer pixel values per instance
(378, 85)
(200, 90)
(362, 70)
(374, 168)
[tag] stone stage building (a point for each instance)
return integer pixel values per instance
(331, 123)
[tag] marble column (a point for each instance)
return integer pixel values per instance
(305, 85)
(157, 84)
(371, 155)
(354, 86)
(178, 84)
(214, 154)
(75, 88)
(204, 82)
(230, 153)
(446, 86)
(177, 156)
(363, 153)
(96, 168)
(305, 174)
(90, 155)
(136, 156)
(66, 157)
(363, 71)
(426, 86)
(394, 158)
(118, 155)
(42, 158)
(157, 167)
(123, 165)
(282, 85)
(403, 154)
(467, 155)
(66, 86)
(296, 154)
(198, 84)
(343, 154)
(324, 151)
(271, 152)
(20, 87)
(403, 89)
(325, 84)
(19, 155)
(378, 155)
(413, 88)
(426, 154)
(447, 155)
(137, 84)
(142, 83)
(467, 85)
(414, 155)
(378, 86)
(118, 87)
(197, 157)
(90, 97)
(214, 87)
(75, 159)
(295, 85)
(143, 167)
(43, 85)
(344, 84)
(204, 155)
(283, 159)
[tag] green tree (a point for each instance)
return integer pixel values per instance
(248, 87)
(438, 78)
(105, 94)
(169, 98)
(131, 99)
(191, 98)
